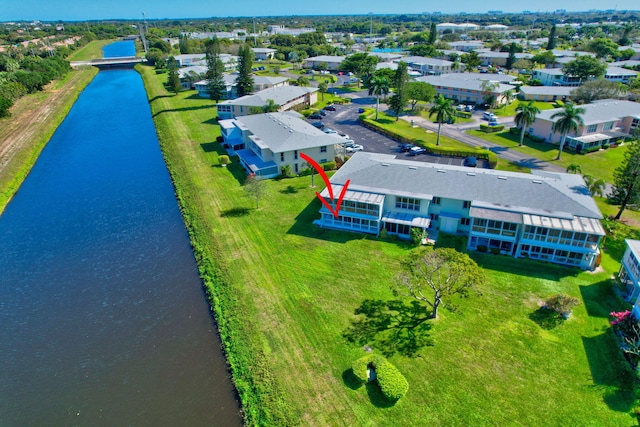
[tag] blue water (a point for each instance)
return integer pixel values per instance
(104, 321)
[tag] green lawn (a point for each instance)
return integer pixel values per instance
(93, 50)
(510, 110)
(600, 164)
(284, 293)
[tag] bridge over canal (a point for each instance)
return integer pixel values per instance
(119, 62)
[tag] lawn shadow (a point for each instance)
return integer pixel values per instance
(235, 212)
(289, 190)
(545, 318)
(160, 97)
(600, 298)
(609, 370)
(391, 327)
(378, 399)
(524, 267)
(350, 379)
(174, 110)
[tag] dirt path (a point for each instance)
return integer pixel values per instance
(33, 120)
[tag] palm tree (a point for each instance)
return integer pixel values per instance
(569, 120)
(574, 168)
(444, 112)
(526, 115)
(378, 85)
(596, 186)
(270, 106)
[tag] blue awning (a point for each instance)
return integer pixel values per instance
(450, 215)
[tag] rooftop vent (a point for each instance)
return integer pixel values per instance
(441, 171)
(413, 167)
(385, 164)
(471, 174)
(502, 177)
(537, 181)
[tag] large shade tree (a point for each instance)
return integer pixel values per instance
(435, 275)
(419, 91)
(569, 119)
(378, 86)
(526, 114)
(444, 111)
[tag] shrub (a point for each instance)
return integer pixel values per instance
(605, 146)
(329, 166)
(224, 159)
(391, 381)
(491, 129)
(493, 160)
(465, 114)
(561, 304)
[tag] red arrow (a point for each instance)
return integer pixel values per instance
(325, 178)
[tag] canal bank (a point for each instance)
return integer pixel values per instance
(205, 191)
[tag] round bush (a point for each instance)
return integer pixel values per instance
(392, 383)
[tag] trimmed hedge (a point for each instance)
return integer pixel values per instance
(391, 381)
(464, 114)
(491, 129)
(329, 166)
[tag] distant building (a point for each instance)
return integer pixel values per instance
(287, 97)
(467, 87)
(263, 53)
(428, 66)
(333, 62)
(605, 122)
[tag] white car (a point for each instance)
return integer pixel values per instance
(353, 148)
(329, 131)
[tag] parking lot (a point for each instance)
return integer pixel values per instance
(345, 120)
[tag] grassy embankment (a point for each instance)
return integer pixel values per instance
(284, 292)
(34, 118)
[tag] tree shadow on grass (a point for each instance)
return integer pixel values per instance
(373, 389)
(391, 327)
(235, 212)
(289, 190)
(545, 318)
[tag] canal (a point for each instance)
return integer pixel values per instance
(103, 317)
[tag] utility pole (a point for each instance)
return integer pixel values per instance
(370, 27)
(143, 31)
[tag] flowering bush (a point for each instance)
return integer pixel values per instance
(623, 321)
(628, 328)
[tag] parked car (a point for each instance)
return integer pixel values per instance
(316, 116)
(323, 113)
(493, 122)
(329, 131)
(330, 108)
(406, 147)
(353, 148)
(416, 150)
(488, 116)
(468, 108)
(460, 107)
(471, 162)
(344, 135)
(319, 125)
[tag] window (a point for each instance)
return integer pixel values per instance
(434, 217)
(323, 149)
(296, 167)
(466, 205)
(295, 155)
(465, 221)
(282, 157)
(608, 126)
(323, 161)
(436, 200)
(408, 203)
(592, 128)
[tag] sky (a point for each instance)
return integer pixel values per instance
(78, 10)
